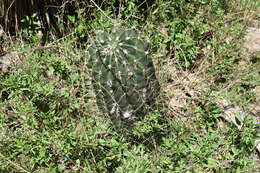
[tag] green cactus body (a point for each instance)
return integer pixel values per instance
(123, 75)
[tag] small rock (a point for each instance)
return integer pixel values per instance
(6, 60)
(232, 113)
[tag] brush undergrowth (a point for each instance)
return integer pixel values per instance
(49, 121)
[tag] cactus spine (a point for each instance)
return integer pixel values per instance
(123, 75)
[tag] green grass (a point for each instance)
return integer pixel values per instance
(49, 121)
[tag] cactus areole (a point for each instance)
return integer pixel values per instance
(123, 75)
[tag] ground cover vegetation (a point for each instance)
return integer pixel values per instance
(49, 118)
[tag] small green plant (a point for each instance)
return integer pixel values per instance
(123, 75)
(32, 27)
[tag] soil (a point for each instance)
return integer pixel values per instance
(252, 40)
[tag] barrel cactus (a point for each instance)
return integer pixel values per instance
(123, 75)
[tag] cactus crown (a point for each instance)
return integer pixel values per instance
(123, 74)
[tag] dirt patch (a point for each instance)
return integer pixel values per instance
(252, 40)
(179, 90)
(252, 43)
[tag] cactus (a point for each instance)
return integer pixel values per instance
(123, 75)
